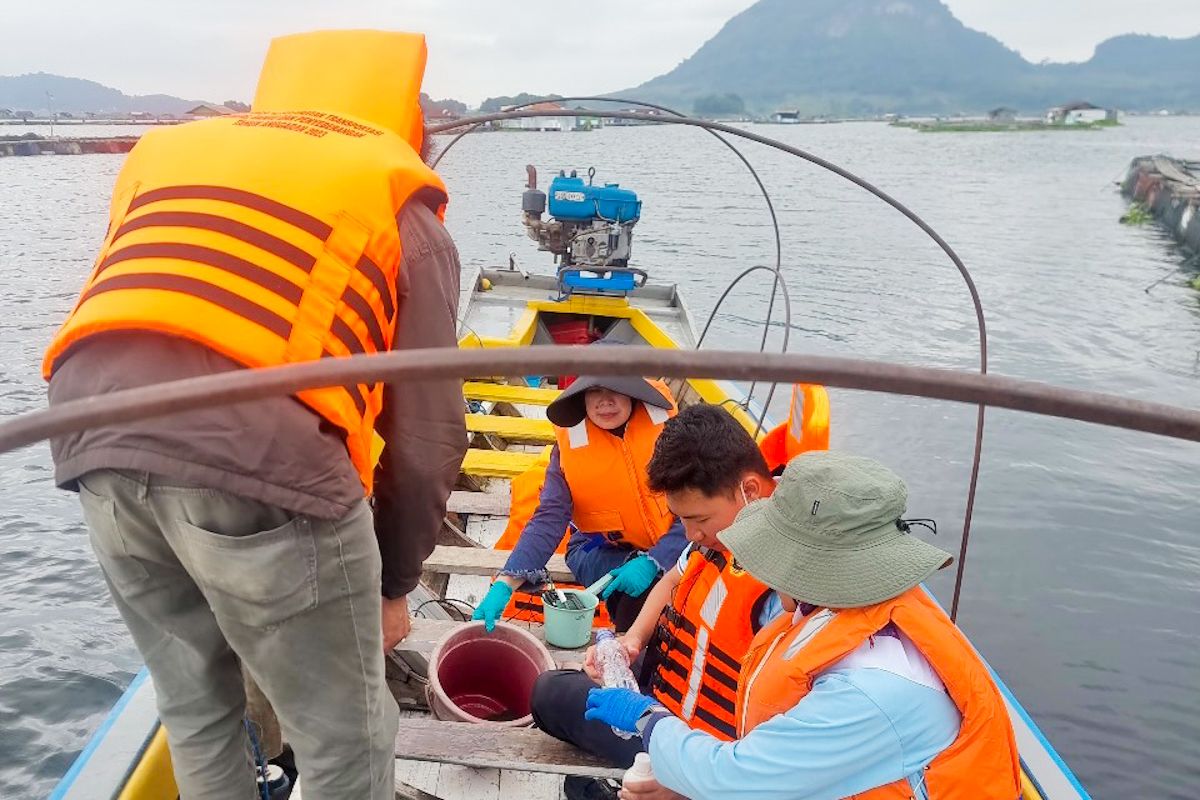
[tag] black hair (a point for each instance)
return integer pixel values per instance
(706, 449)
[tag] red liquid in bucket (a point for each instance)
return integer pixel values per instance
(476, 676)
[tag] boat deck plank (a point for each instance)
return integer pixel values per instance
(466, 783)
(421, 775)
(484, 561)
(493, 746)
(514, 784)
(497, 463)
(517, 429)
(508, 393)
(492, 504)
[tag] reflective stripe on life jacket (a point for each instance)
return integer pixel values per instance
(701, 639)
(526, 490)
(806, 428)
(272, 237)
(607, 477)
(786, 657)
(528, 607)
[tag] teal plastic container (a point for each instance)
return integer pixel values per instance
(570, 629)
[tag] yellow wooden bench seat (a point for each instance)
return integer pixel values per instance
(485, 561)
(485, 503)
(497, 463)
(516, 429)
(508, 393)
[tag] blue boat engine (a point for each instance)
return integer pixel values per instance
(590, 230)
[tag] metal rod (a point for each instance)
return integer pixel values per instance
(451, 362)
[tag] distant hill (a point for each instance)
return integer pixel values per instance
(912, 56)
(28, 92)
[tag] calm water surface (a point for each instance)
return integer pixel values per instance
(1084, 574)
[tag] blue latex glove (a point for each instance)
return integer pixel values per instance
(491, 608)
(620, 708)
(633, 577)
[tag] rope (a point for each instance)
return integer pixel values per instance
(448, 604)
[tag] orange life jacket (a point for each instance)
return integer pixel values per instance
(526, 606)
(607, 477)
(271, 237)
(526, 491)
(806, 428)
(702, 636)
(785, 658)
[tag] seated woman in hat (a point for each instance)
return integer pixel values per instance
(605, 429)
(866, 689)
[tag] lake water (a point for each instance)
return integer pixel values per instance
(1083, 582)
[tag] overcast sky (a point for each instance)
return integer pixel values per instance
(212, 49)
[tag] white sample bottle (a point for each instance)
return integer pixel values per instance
(640, 773)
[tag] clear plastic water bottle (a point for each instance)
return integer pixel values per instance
(614, 668)
(613, 662)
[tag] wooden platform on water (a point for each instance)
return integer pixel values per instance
(60, 146)
(1169, 188)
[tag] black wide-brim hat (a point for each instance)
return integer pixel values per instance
(568, 408)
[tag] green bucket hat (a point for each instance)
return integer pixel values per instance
(828, 535)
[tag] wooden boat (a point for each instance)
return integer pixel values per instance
(127, 757)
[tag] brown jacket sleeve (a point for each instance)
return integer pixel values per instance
(421, 423)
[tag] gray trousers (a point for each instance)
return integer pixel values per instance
(205, 578)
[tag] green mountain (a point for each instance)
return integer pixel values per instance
(1135, 72)
(75, 95)
(911, 56)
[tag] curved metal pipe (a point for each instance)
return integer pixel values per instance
(413, 365)
(857, 181)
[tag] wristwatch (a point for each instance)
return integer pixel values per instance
(644, 719)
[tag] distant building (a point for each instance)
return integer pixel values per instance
(6, 113)
(541, 123)
(1080, 113)
(207, 110)
(786, 117)
(440, 114)
(140, 115)
(624, 123)
(1003, 114)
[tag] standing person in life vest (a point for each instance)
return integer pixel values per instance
(308, 228)
(865, 689)
(605, 429)
(806, 427)
(700, 618)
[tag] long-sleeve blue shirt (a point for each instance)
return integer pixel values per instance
(545, 530)
(857, 729)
